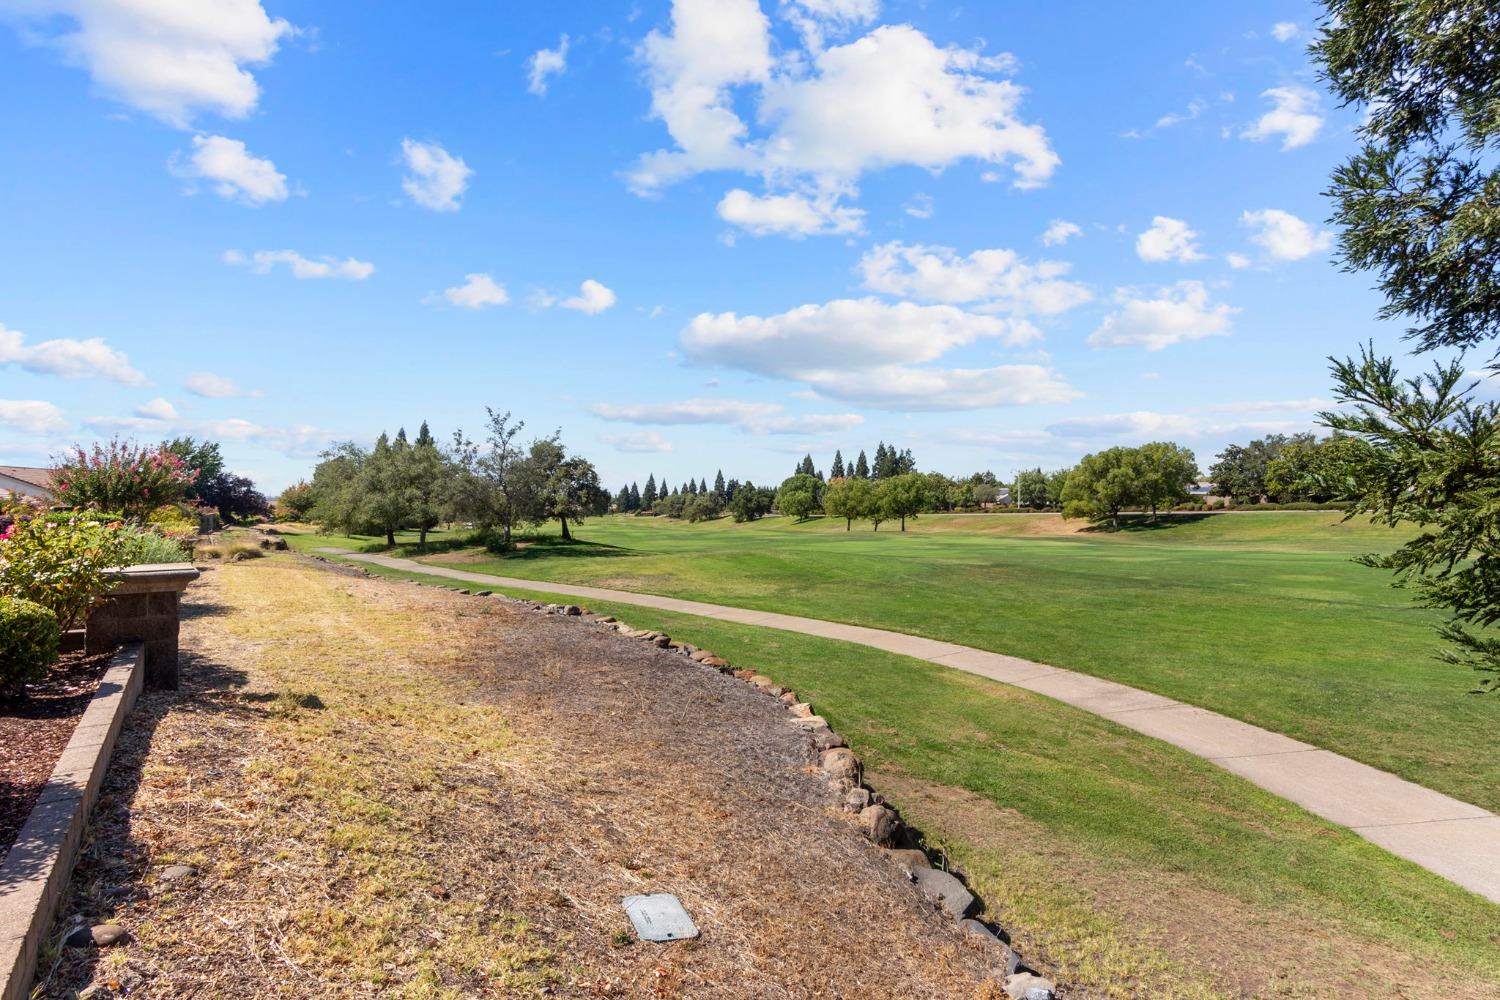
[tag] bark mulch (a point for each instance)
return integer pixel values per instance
(35, 727)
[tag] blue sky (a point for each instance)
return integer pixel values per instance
(697, 235)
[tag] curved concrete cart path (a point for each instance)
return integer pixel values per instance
(1454, 839)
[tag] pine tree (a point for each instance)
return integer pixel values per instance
(635, 497)
(703, 487)
(861, 466)
(837, 472)
(805, 467)
(883, 463)
(719, 485)
(649, 497)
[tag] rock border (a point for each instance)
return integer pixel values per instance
(941, 884)
(37, 868)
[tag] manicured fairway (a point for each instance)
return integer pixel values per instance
(1128, 866)
(1259, 616)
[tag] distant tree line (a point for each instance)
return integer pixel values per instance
(401, 484)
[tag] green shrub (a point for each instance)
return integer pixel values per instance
(60, 565)
(141, 547)
(28, 641)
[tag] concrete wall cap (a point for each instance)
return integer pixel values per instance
(152, 577)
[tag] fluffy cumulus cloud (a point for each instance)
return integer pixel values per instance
(156, 409)
(1060, 232)
(874, 353)
(1284, 31)
(1138, 425)
(1296, 116)
(169, 59)
(302, 268)
(826, 115)
(435, 178)
(67, 358)
(592, 298)
(479, 291)
(794, 215)
(994, 280)
(232, 170)
(761, 418)
(1283, 236)
(1166, 240)
(31, 416)
(544, 65)
(638, 442)
(212, 386)
(1173, 315)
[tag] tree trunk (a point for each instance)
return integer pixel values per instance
(903, 522)
(564, 522)
(422, 539)
(848, 524)
(390, 537)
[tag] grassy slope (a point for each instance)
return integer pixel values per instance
(1124, 861)
(1260, 616)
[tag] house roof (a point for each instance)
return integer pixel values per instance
(40, 478)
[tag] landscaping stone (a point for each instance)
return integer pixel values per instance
(98, 936)
(801, 710)
(857, 800)
(608, 619)
(880, 824)
(701, 654)
(662, 641)
(173, 873)
(910, 858)
(945, 890)
(767, 685)
(790, 697)
(840, 764)
(826, 739)
(572, 609)
(715, 661)
(1026, 986)
(743, 675)
(483, 593)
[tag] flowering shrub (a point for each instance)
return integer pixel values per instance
(28, 642)
(60, 564)
(122, 476)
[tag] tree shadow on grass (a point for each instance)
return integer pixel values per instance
(1143, 524)
(551, 547)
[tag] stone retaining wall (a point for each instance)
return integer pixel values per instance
(143, 606)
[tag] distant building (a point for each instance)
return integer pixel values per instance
(26, 481)
(1202, 489)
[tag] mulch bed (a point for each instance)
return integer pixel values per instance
(34, 731)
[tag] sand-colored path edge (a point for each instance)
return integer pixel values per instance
(1454, 839)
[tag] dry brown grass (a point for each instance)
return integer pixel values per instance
(395, 791)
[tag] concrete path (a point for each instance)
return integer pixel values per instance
(1454, 839)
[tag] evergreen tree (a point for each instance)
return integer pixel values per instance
(635, 497)
(805, 467)
(719, 488)
(837, 472)
(649, 496)
(885, 462)
(428, 476)
(703, 487)
(861, 466)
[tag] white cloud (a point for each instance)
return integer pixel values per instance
(760, 418)
(546, 63)
(793, 215)
(866, 351)
(1168, 239)
(641, 442)
(687, 411)
(67, 358)
(169, 59)
(1060, 232)
(817, 19)
(592, 298)
(1283, 236)
(897, 387)
(478, 291)
(1138, 425)
(435, 178)
(1178, 313)
(826, 116)
(264, 261)
(1000, 280)
(33, 416)
(1194, 109)
(214, 386)
(1284, 31)
(1238, 261)
(233, 171)
(157, 409)
(1296, 116)
(1311, 405)
(920, 206)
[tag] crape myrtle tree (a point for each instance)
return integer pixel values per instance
(1419, 206)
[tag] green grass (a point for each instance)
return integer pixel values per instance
(1262, 616)
(1094, 814)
